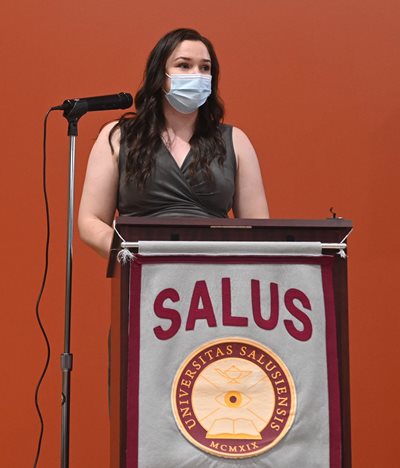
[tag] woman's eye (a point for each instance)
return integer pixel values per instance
(183, 65)
(206, 68)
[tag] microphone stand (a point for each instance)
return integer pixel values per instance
(72, 115)
(73, 110)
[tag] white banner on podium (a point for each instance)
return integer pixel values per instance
(232, 362)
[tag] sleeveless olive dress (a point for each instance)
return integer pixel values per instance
(170, 192)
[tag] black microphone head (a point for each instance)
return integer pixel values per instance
(126, 100)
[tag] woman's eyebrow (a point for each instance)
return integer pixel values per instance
(189, 59)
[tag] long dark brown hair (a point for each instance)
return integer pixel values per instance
(141, 132)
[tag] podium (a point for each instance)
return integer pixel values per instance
(212, 229)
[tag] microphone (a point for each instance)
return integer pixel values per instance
(97, 103)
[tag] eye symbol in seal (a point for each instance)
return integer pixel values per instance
(233, 398)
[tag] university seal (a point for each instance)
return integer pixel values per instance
(233, 398)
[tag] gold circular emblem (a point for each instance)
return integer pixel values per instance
(233, 398)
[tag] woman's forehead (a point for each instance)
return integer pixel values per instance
(190, 49)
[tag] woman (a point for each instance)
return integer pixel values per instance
(174, 157)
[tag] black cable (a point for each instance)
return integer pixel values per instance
(46, 267)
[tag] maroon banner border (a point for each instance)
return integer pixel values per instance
(132, 429)
(335, 433)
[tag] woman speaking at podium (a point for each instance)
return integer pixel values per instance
(174, 156)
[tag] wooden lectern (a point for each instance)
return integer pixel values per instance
(212, 229)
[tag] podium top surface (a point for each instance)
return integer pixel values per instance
(327, 223)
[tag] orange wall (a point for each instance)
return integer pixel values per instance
(315, 84)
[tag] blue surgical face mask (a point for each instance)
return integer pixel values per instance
(188, 91)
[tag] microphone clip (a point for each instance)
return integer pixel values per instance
(74, 113)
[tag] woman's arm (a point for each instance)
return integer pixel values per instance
(250, 200)
(99, 196)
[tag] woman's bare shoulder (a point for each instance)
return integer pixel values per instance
(107, 129)
(242, 145)
(105, 146)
